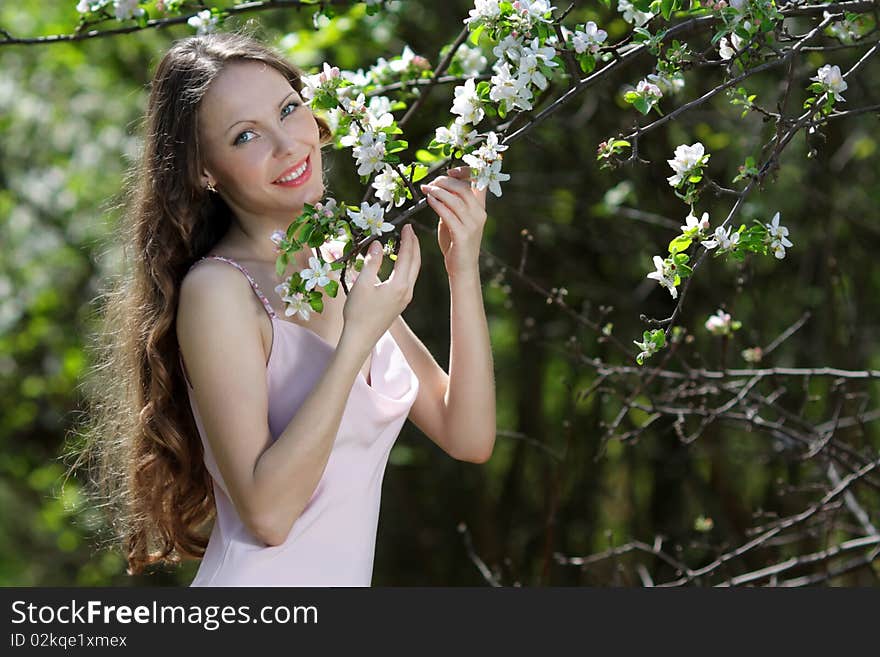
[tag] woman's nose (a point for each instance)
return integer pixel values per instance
(285, 143)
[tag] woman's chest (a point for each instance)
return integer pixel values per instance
(328, 324)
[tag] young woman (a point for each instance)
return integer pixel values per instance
(221, 408)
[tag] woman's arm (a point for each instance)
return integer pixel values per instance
(457, 411)
(270, 482)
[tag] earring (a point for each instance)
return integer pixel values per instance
(210, 187)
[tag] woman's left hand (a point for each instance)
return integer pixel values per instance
(462, 212)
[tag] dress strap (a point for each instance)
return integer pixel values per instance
(256, 288)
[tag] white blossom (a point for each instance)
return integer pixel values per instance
(831, 79)
(467, 104)
(687, 158)
(667, 84)
(490, 175)
(846, 31)
(356, 106)
(664, 275)
(510, 47)
(511, 92)
(204, 22)
(530, 59)
(649, 90)
(489, 151)
(727, 50)
(125, 9)
(297, 305)
(471, 60)
(484, 10)
(371, 217)
(648, 349)
(692, 224)
(406, 58)
(722, 239)
(370, 152)
(388, 186)
(632, 15)
(590, 39)
(327, 208)
(457, 135)
(316, 274)
(357, 78)
(719, 323)
(778, 237)
(277, 237)
(86, 6)
(324, 79)
(533, 10)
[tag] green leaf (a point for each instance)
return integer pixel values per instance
(426, 157)
(418, 171)
(474, 37)
(316, 302)
(332, 288)
(396, 145)
(680, 243)
(281, 265)
(658, 337)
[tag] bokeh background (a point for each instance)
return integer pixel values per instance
(69, 119)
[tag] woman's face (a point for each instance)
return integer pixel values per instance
(260, 143)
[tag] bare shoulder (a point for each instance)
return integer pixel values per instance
(211, 293)
(220, 340)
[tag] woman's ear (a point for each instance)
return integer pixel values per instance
(208, 181)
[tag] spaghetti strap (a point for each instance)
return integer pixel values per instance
(256, 288)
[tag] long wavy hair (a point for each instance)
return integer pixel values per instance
(139, 445)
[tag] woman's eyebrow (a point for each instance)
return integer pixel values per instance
(280, 105)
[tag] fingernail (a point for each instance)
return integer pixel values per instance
(375, 248)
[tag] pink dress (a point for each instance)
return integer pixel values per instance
(333, 541)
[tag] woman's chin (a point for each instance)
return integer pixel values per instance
(315, 195)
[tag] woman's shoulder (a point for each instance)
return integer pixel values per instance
(213, 291)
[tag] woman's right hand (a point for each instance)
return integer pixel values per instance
(372, 305)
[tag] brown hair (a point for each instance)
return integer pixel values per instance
(139, 443)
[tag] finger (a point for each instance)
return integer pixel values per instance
(450, 220)
(373, 260)
(404, 258)
(454, 185)
(465, 174)
(416, 263)
(462, 173)
(447, 199)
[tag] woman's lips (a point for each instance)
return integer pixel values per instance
(304, 171)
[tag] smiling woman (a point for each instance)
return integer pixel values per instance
(285, 439)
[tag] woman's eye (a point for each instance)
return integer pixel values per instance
(241, 138)
(288, 109)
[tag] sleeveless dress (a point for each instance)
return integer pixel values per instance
(332, 543)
